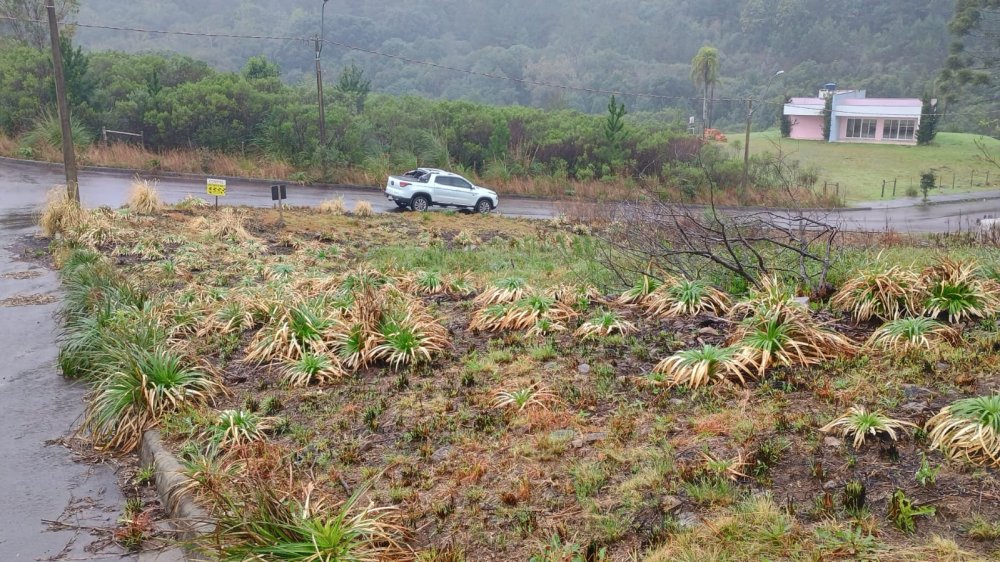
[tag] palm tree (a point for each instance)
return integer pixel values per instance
(705, 75)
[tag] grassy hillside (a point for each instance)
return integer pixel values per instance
(860, 168)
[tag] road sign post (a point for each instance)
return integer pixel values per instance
(279, 194)
(217, 188)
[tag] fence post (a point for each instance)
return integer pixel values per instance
(987, 178)
(883, 189)
(972, 179)
(953, 176)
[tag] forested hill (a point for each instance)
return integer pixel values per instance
(890, 47)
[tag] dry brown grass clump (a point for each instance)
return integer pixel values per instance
(227, 224)
(334, 206)
(363, 209)
(143, 198)
(60, 215)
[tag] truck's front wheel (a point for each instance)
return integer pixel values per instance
(484, 206)
(420, 203)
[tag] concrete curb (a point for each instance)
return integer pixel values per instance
(188, 520)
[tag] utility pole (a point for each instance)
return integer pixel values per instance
(746, 148)
(746, 143)
(319, 93)
(69, 155)
(319, 89)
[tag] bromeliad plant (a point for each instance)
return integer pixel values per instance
(786, 336)
(956, 288)
(886, 294)
(605, 324)
(233, 428)
(970, 429)
(696, 367)
(313, 369)
(906, 334)
(637, 293)
(435, 283)
(507, 290)
(521, 315)
(411, 338)
(134, 398)
(683, 297)
(295, 329)
(521, 398)
(262, 524)
(860, 423)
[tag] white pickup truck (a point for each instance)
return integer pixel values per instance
(419, 189)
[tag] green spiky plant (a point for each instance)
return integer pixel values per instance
(292, 331)
(684, 297)
(521, 398)
(604, 324)
(785, 336)
(969, 429)
(906, 334)
(860, 423)
(956, 289)
(354, 346)
(313, 369)
(134, 398)
(265, 526)
(410, 339)
(642, 288)
(883, 293)
(237, 427)
(696, 367)
(506, 290)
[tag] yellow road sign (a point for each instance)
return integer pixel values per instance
(216, 187)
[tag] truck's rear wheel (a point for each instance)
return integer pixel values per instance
(484, 206)
(420, 203)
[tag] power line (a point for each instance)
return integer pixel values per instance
(432, 64)
(386, 55)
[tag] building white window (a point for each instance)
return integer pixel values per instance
(861, 128)
(899, 129)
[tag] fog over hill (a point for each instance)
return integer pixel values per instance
(890, 47)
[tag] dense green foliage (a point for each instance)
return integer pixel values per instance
(891, 47)
(178, 102)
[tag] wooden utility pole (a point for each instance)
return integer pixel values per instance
(69, 155)
(319, 93)
(746, 146)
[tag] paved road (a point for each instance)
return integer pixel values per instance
(948, 213)
(39, 481)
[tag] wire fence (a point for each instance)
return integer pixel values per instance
(943, 180)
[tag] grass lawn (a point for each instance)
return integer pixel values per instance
(860, 168)
(444, 387)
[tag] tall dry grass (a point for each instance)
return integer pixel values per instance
(143, 198)
(334, 206)
(59, 215)
(8, 146)
(363, 209)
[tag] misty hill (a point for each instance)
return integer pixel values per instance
(890, 47)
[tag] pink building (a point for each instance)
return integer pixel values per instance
(855, 118)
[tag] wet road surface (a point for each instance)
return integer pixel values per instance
(946, 213)
(40, 481)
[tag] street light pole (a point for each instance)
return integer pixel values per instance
(319, 85)
(746, 142)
